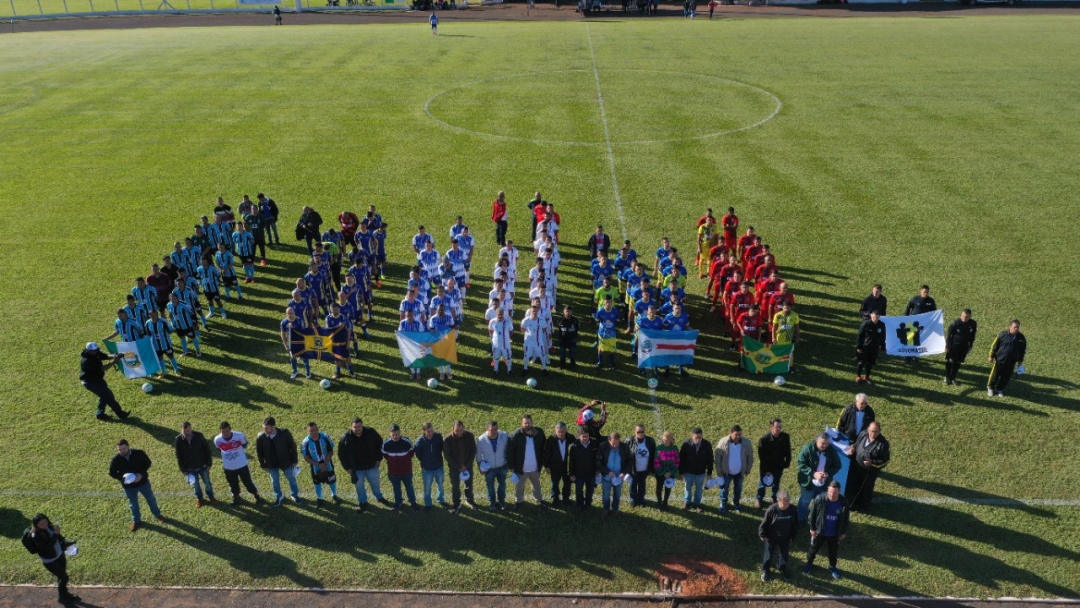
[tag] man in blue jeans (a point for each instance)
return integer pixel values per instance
(734, 459)
(429, 451)
(398, 452)
(613, 461)
(491, 452)
(277, 453)
(130, 467)
(360, 452)
(695, 464)
(194, 458)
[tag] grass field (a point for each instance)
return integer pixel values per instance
(906, 151)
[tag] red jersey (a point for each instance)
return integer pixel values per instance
(498, 211)
(702, 220)
(349, 224)
(750, 325)
(777, 301)
(730, 224)
(714, 270)
(746, 241)
(749, 253)
(740, 304)
(539, 212)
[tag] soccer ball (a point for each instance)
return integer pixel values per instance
(531, 382)
(779, 381)
(653, 383)
(147, 387)
(325, 383)
(432, 383)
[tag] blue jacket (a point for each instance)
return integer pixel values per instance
(430, 452)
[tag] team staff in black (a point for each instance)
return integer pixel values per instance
(774, 454)
(959, 339)
(1006, 353)
(875, 302)
(869, 454)
(92, 375)
(856, 417)
(556, 453)
(44, 540)
(778, 528)
(568, 337)
(921, 303)
(871, 339)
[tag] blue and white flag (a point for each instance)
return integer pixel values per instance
(139, 360)
(662, 348)
(915, 335)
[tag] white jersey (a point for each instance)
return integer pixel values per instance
(511, 254)
(533, 331)
(547, 299)
(233, 456)
(500, 333)
(490, 314)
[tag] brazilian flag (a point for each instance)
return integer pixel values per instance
(765, 359)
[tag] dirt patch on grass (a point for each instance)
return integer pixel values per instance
(697, 577)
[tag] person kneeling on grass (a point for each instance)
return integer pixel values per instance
(318, 451)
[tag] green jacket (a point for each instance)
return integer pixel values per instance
(815, 515)
(808, 461)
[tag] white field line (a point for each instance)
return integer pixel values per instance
(607, 136)
(926, 500)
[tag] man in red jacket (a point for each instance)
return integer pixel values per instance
(349, 224)
(499, 216)
(398, 453)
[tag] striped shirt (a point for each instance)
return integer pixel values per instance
(192, 255)
(141, 313)
(159, 334)
(224, 261)
(419, 240)
(407, 325)
(182, 315)
(416, 306)
(440, 323)
(188, 296)
(219, 233)
(209, 278)
(245, 243)
(457, 261)
(146, 295)
(129, 329)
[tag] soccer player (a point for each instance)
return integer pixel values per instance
(639, 309)
(605, 291)
(677, 320)
(317, 450)
(708, 235)
(314, 280)
(378, 265)
(870, 340)
(349, 223)
(457, 301)
(159, 329)
(457, 227)
(1006, 353)
(747, 324)
(243, 243)
(662, 254)
(533, 340)
(785, 329)
(468, 245)
(220, 233)
(457, 260)
(346, 302)
(183, 322)
(921, 303)
(124, 326)
(210, 278)
(441, 320)
(607, 320)
(420, 241)
(332, 244)
(343, 324)
(434, 20)
(187, 292)
(500, 330)
(738, 305)
(256, 225)
(412, 305)
(146, 295)
(136, 311)
(301, 303)
(730, 224)
(361, 274)
(428, 258)
(776, 301)
(602, 268)
(409, 322)
(959, 339)
(293, 321)
(224, 260)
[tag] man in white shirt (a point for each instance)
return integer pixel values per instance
(524, 456)
(491, 454)
(532, 329)
(500, 329)
(734, 459)
(235, 462)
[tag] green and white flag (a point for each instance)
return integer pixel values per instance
(139, 360)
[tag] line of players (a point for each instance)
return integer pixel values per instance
(323, 299)
(205, 263)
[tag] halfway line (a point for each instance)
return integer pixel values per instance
(607, 136)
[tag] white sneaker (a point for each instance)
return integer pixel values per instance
(211, 315)
(223, 315)
(293, 376)
(989, 392)
(1001, 393)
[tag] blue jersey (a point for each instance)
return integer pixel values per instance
(141, 312)
(349, 309)
(407, 325)
(680, 295)
(380, 244)
(641, 307)
(191, 256)
(303, 308)
(182, 315)
(454, 296)
(147, 295)
(244, 243)
(365, 241)
(159, 334)
(679, 323)
(457, 262)
(341, 320)
(644, 322)
(189, 297)
(434, 19)
(318, 450)
(456, 229)
(298, 324)
(429, 260)
(625, 259)
(600, 273)
(177, 258)
(129, 329)
(440, 323)
(606, 322)
(416, 306)
(447, 304)
(224, 260)
(663, 254)
(219, 234)
(374, 222)
(362, 274)
(419, 240)
(209, 279)
(466, 244)
(316, 285)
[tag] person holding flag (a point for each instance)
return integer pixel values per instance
(411, 323)
(126, 327)
(336, 323)
(442, 321)
(748, 325)
(92, 376)
(785, 329)
(607, 321)
(293, 321)
(159, 329)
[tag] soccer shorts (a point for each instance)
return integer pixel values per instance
(247, 260)
(380, 258)
(230, 281)
(342, 351)
(500, 353)
(165, 353)
(533, 351)
(211, 296)
(183, 333)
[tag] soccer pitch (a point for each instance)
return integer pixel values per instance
(871, 150)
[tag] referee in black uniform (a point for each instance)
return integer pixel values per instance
(918, 305)
(959, 339)
(1006, 353)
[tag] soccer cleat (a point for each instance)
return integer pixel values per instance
(318, 503)
(307, 375)
(808, 568)
(134, 526)
(868, 381)
(858, 380)
(989, 392)
(160, 518)
(336, 499)
(235, 501)
(1001, 393)
(293, 375)
(835, 573)
(764, 576)
(279, 502)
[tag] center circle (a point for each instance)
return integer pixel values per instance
(639, 106)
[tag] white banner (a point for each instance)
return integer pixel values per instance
(916, 335)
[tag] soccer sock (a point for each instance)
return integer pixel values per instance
(221, 310)
(239, 292)
(318, 491)
(175, 365)
(183, 344)
(307, 366)
(203, 317)
(349, 367)
(294, 370)
(195, 340)
(333, 489)
(249, 271)
(495, 364)
(337, 369)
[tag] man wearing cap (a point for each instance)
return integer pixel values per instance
(556, 454)
(855, 417)
(695, 464)
(360, 452)
(459, 449)
(130, 467)
(581, 464)
(734, 459)
(92, 375)
(277, 454)
(778, 528)
(491, 451)
(594, 422)
(194, 459)
(398, 452)
(234, 461)
(524, 457)
(613, 461)
(818, 462)
(643, 451)
(828, 521)
(429, 451)
(774, 456)
(869, 454)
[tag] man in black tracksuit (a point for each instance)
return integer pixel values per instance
(568, 337)
(871, 339)
(959, 339)
(360, 452)
(777, 529)
(875, 302)
(921, 303)
(581, 464)
(1006, 352)
(774, 456)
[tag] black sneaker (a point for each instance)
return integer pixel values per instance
(337, 500)
(383, 501)
(123, 415)
(103, 417)
(235, 500)
(784, 574)
(361, 508)
(764, 576)
(416, 508)
(318, 503)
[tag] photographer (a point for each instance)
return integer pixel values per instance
(43, 539)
